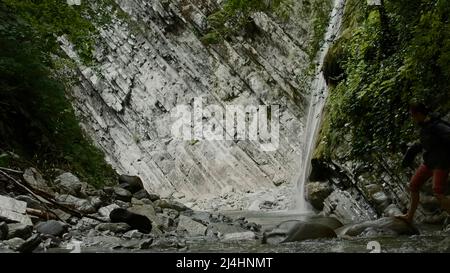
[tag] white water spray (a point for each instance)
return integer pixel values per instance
(319, 93)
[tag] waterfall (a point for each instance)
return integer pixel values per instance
(317, 101)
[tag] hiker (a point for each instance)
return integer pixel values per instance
(435, 143)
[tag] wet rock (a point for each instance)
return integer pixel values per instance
(221, 229)
(136, 221)
(316, 193)
(143, 194)
(131, 183)
(3, 231)
(113, 227)
(67, 183)
(19, 230)
(145, 210)
(306, 231)
(122, 194)
(330, 222)
(105, 211)
(170, 204)
(168, 242)
(391, 211)
(80, 204)
(133, 234)
(348, 208)
(122, 204)
(240, 236)
(30, 244)
(192, 227)
(384, 225)
(36, 181)
(52, 227)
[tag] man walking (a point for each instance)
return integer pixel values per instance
(435, 143)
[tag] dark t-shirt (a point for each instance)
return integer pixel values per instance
(435, 141)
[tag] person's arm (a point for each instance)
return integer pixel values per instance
(411, 154)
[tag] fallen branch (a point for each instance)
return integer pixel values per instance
(11, 170)
(47, 197)
(42, 214)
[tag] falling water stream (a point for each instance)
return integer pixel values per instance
(316, 104)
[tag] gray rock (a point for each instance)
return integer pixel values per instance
(174, 214)
(240, 236)
(62, 214)
(170, 204)
(80, 204)
(36, 181)
(221, 229)
(12, 210)
(19, 230)
(131, 183)
(68, 183)
(113, 227)
(30, 244)
(95, 201)
(133, 234)
(15, 243)
(105, 211)
(392, 210)
(52, 227)
(390, 225)
(146, 244)
(306, 231)
(141, 194)
(122, 194)
(330, 222)
(31, 202)
(316, 193)
(3, 231)
(192, 227)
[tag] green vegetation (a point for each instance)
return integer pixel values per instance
(234, 16)
(396, 53)
(36, 120)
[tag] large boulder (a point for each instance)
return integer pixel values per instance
(131, 183)
(317, 192)
(68, 183)
(386, 225)
(36, 181)
(136, 221)
(52, 227)
(306, 231)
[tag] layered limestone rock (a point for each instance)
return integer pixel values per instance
(152, 60)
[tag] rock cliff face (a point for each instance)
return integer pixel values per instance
(150, 59)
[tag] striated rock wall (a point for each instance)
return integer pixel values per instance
(151, 60)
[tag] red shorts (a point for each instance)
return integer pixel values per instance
(424, 173)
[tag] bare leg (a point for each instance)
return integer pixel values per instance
(409, 217)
